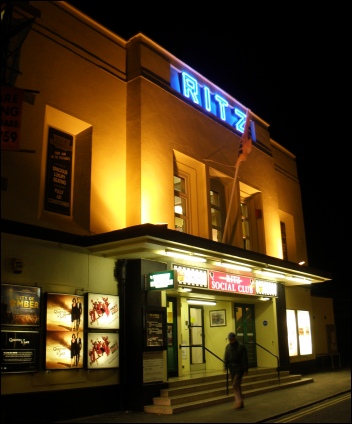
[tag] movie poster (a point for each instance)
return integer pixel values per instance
(20, 305)
(103, 311)
(64, 331)
(64, 312)
(64, 350)
(19, 351)
(103, 350)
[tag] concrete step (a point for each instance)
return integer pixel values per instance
(199, 398)
(217, 381)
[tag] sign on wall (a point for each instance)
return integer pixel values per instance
(103, 311)
(58, 172)
(161, 280)
(19, 351)
(20, 305)
(102, 350)
(64, 331)
(11, 113)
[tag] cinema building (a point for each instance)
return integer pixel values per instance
(121, 194)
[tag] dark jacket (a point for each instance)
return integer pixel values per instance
(236, 358)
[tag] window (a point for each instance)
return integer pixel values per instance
(180, 204)
(217, 209)
(245, 226)
(283, 240)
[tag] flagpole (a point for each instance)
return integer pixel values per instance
(245, 148)
(232, 193)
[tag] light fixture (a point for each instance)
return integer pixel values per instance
(264, 298)
(301, 263)
(200, 302)
(233, 266)
(188, 257)
(184, 289)
(270, 274)
(299, 280)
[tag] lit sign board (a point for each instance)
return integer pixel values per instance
(231, 283)
(208, 100)
(161, 280)
(191, 277)
(266, 288)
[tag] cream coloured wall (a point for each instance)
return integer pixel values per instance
(86, 83)
(323, 315)
(266, 333)
(57, 269)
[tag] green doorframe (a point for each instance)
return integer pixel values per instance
(172, 348)
(245, 330)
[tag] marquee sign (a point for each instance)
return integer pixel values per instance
(232, 283)
(211, 101)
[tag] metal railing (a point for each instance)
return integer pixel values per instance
(216, 356)
(227, 370)
(277, 359)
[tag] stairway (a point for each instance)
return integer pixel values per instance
(187, 394)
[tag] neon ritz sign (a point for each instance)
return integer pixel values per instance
(211, 102)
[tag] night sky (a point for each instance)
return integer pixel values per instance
(288, 66)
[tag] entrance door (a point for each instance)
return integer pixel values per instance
(245, 330)
(172, 348)
(196, 337)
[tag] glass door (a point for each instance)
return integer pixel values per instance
(196, 337)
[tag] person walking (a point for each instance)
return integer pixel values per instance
(236, 361)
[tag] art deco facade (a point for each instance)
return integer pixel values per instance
(125, 156)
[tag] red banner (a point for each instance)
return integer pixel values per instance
(11, 112)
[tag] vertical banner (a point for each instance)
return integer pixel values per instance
(58, 172)
(11, 112)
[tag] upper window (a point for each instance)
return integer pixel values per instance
(180, 204)
(283, 240)
(217, 209)
(246, 233)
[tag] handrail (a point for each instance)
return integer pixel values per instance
(227, 371)
(277, 358)
(216, 356)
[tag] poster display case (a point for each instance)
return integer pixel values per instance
(19, 351)
(102, 311)
(102, 350)
(155, 328)
(20, 305)
(64, 339)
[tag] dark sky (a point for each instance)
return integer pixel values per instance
(287, 65)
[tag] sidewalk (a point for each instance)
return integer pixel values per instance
(257, 408)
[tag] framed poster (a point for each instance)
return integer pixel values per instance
(64, 312)
(64, 343)
(217, 318)
(19, 351)
(64, 350)
(58, 181)
(102, 350)
(103, 311)
(155, 328)
(20, 305)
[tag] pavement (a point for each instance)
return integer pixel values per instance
(327, 384)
